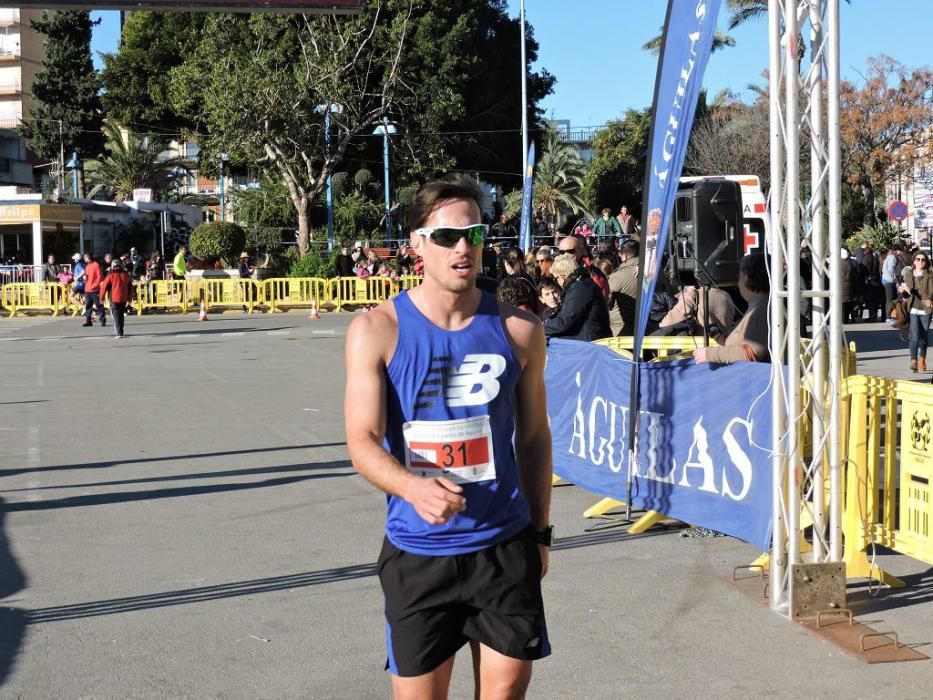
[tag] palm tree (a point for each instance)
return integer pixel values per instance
(720, 40)
(742, 11)
(132, 162)
(558, 182)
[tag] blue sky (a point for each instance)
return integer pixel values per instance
(593, 47)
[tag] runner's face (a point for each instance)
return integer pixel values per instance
(453, 269)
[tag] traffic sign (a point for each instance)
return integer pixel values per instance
(897, 211)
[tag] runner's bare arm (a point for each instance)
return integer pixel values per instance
(435, 500)
(532, 432)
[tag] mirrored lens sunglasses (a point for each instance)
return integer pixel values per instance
(449, 236)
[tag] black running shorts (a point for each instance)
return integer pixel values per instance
(435, 604)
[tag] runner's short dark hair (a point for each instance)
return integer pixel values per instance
(431, 194)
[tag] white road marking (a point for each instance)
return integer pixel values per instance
(278, 332)
(34, 458)
(330, 332)
(40, 375)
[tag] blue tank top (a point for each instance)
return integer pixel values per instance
(451, 413)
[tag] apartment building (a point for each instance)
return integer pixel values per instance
(21, 54)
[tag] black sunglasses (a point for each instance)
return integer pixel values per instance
(449, 236)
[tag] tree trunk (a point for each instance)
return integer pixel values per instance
(868, 193)
(304, 231)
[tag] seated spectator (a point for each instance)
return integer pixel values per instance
(688, 315)
(514, 291)
(749, 341)
(583, 314)
(549, 296)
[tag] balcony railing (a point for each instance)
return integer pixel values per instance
(13, 87)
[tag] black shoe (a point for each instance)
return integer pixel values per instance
(87, 324)
(103, 323)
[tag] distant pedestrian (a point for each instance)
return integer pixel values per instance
(92, 281)
(77, 278)
(50, 270)
(120, 286)
(246, 273)
(179, 265)
(137, 263)
(343, 265)
(156, 267)
(918, 285)
(607, 225)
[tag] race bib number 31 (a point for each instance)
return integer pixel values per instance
(460, 450)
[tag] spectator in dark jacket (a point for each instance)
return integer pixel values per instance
(343, 265)
(583, 313)
(849, 287)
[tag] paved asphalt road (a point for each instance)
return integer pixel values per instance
(178, 519)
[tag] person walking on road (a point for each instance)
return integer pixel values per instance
(120, 285)
(918, 285)
(439, 380)
(92, 280)
(179, 266)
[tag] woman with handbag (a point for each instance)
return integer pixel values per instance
(918, 285)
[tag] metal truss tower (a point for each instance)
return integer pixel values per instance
(805, 218)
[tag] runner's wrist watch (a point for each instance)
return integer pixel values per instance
(545, 536)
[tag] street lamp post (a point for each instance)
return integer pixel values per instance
(329, 109)
(224, 159)
(386, 129)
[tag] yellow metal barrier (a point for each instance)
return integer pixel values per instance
(354, 291)
(161, 294)
(294, 292)
(889, 470)
(34, 296)
(666, 347)
(407, 282)
(227, 293)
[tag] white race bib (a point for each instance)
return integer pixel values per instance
(460, 450)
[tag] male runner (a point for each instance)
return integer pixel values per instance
(439, 380)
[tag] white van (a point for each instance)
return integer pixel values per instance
(755, 217)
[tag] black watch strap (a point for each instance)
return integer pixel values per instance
(545, 536)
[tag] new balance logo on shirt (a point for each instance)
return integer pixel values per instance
(474, 383)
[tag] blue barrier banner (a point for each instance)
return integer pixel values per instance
(688, 39)
(704, 436)
(524, 231)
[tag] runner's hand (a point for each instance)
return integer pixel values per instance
(437, 500)
(545, 553)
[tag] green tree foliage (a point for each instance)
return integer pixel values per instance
(615, 177)
(131, 162)
(136, 78)
(66, 90)
(215, 240)
(254, 84)
(265, 206)
(463, 57)
(356, 216)
(558, 183)
(317, 263)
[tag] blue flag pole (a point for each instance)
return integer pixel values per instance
(686, 43)
(528, 185)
